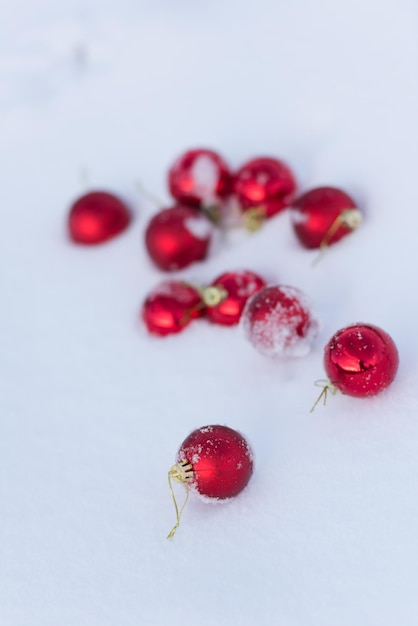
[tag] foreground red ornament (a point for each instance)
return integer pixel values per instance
(177, 237)
(97, 217)
(278, 322)
(199, 177)
(323, 216)
(171, 307)
(215, 462)
(237, 288)
(264, 183)
(361, 360)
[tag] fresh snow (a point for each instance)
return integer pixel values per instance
(93, 409)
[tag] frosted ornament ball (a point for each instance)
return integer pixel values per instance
(279, 323)
(178, 236)
(97, 217)
(215, 462)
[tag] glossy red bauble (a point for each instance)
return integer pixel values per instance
(266, 183)
(199, 177)
(176, 237)
(323, 216)
(278, 322)
(170, 307)
(238, 288)
(97, 217)
(361, 360)
(221, 461)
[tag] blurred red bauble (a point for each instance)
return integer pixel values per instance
(237, 288)
(170, 307)
(176, 237)
(264, 183)
(323, 216)
(361, 360)
(199, 178)
(221, 461)
(97, 217)
(278, 322)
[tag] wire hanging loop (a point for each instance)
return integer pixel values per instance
(213, 213)
(181, 473)
(144, 193)
(327, 387)
(212, 295)
(254, 218)
(350, 218)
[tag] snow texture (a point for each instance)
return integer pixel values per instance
(205, 173)
(276, 335)
(93, 409)
(198, 226)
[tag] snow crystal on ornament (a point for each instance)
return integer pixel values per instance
(278, 322)
(297, 217)
(205, 174)
(198, 226)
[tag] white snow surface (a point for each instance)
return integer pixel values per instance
(93, 410)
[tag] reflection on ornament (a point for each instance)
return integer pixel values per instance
(361, 360)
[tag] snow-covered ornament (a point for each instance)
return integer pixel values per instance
(96, 217)
(279, 323)
(215, 462)
(170, 307)
(200, 178)
(177, 236)
(360, 360)
(323, 216)
(237, 288)
(264, 185)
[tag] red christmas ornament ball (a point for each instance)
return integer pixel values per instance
(176, 237)
(361, 360)
(238, 287)
(266, 183)
(221, 460)
(199, 177)
(170, 307)
(323, 216)
(278, 322)
(97, 217)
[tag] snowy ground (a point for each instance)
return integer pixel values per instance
(93, 410)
